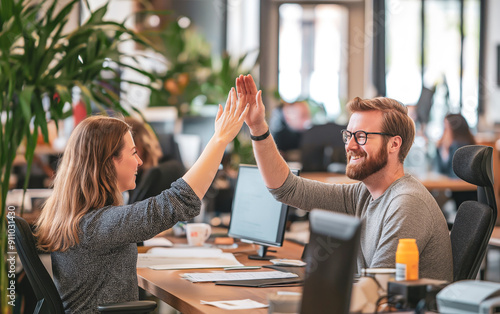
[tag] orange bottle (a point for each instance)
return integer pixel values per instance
(407, 260)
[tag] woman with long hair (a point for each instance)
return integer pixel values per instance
(456, 134)
(90, 234)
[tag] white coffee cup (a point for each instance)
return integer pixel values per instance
(197, 233)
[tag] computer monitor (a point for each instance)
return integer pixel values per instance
(424, 105)
(256, 216)
(331, 262)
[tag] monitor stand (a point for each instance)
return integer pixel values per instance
(262, 254)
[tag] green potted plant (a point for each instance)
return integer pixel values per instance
(216, 87)
(187, 63)
(194, 79)
(191, 70)
(40, 62)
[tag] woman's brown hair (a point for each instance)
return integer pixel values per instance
(460, 129)
(85, 180)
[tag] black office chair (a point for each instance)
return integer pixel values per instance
(157, 179)
(475, 220)
(48, 299)
(169, 147)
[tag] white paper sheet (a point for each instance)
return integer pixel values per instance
(194, 252)
(229, 276)
(158, 241)
(186, 258)
(236, 304)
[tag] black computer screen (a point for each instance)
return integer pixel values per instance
(331, 262)
(255, 215)
(424, 105)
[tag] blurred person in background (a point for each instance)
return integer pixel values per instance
(455, 135)
(287, 124)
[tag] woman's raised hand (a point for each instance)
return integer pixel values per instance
(230, 118)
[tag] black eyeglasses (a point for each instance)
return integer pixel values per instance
(359, 136)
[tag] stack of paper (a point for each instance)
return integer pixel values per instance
(208, 277)
(186, 258)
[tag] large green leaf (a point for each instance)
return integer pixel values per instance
(40, 118)
(98, 15)
(25, 96)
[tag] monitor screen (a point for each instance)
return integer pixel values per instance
(331, 262)
(255, 215)
(424, 105)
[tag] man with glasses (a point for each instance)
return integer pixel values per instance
(393, 205)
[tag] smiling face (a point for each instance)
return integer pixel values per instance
(127, 164)
(365, 160)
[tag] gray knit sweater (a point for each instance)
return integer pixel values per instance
(102, 267)
(405, 210)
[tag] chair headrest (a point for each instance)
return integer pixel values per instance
(473, 163)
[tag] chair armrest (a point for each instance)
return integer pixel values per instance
(128, 307)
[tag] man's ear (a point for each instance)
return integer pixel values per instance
(395, 143)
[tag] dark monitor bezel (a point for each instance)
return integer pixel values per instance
(331, 262)
(280, 236)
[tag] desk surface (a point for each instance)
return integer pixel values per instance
(185, 296)
(431, 180)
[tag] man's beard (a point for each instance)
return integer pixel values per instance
(368, 166)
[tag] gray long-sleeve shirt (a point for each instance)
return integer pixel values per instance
(102, 267)
(405, 210)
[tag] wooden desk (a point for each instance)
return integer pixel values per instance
(185, 296)
(431, 180)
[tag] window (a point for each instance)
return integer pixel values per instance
(435, 43)
(313, 54)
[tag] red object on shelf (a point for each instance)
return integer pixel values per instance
(79, 112)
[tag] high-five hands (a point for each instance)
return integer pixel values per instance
(248, 94)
